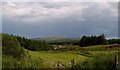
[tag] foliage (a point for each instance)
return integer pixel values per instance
(114, 41)
(93, 40)
(14, 42)
(11, 47)
(9, 41)
(99, 62)
(34, 45)
(27, 62)
(15, 56)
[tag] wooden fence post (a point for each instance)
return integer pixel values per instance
(119, 61)
(72, 63)
(115, 61)
(58, 65)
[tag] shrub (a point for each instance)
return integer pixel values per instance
(11, 47)
(99, 62)
(27, 62)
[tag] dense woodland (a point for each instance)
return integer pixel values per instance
(93, 40)
(29, 44)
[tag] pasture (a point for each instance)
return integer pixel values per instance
(51, 58)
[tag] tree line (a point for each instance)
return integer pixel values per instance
(34, 45)
(97, 40)
(114, 41)
(93, 40)
(85, 41)
(37, 45)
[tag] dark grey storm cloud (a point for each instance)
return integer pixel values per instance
(60, 19)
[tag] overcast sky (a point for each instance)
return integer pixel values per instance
(66, 19)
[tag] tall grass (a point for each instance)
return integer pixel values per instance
(100, 61)
(28, 62)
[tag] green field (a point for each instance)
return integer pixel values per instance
(51, 58)
(97, 47)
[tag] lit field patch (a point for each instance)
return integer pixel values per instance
(53, 57)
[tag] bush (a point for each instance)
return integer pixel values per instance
(11, 47)
(9, 41)
(28, 62)
(14, 56)
(99, 62)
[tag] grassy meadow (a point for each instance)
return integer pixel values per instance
(50, 58)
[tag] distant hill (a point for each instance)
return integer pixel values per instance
(63, 39)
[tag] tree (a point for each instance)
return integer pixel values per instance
(101, 39)
(11, 46)
(93, 40)
(83, 41)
